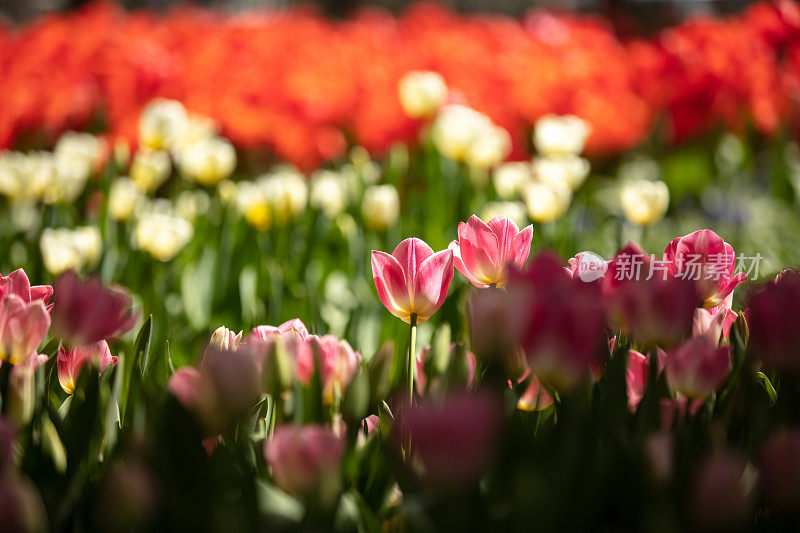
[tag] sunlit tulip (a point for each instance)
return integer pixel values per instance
(252, 202)
(294, 327)
(228, 387)
(85, 312)
(207, 161)
(305, 460)
(380, 207)
(555, 134)
(287, 194)
(723, 493)
(161, 123)
(225, 339)
(424, 384)
(644, 202)
(454, 441)
(698, 367)
(70, 249)
(162, 235)
(23, 326)
(71, 360)
(714, 323)
(421, 93)
(510, 178)
(456, 128)
(122, 199)
(535, 397)
(191, 204)
(706, 259)
(17, 283)
(568, 169)
(328, 193)
(564, 335)
(546, 202)
(489, 148)
(485, 250)
(150, 169)
(338, 362)
(76, 156)
(780, 470)
(412, 282)
(772, 317)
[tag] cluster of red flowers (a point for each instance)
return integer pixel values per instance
(303, 85)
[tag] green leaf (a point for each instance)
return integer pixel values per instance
(773, 396)
(132, 368)
(197, 289)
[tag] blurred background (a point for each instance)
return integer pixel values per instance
(645, 15)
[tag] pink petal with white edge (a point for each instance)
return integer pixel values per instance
(459, 265)
(520, 248)
(391, 284)
(433, 281)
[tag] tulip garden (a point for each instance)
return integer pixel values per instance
(427, 271)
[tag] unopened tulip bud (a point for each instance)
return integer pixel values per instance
(568, 169)
(510, 178)
(380, 207)
(162, 235)
(161, 123)
(697, 368)
(421, 93)
(208, 161)
(327, 193)
(546, 202)
(644, 202)
(489, 148)
(225, 339)
(122, 199)
(150, 169)
(555, 134)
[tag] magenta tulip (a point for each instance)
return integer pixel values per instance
(305, 460)
(698, 367)
(23, 326)
(70, 362)
(773, 317)
(17, 283)
(85, 312)
(484, 251)
(636, 376)
(412, 282)
(706, 259)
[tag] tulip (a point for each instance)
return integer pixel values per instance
(423, 383)
(412, 284)
(714, 323)
(555, 134)
(510, 178)
(421, 93)
(70, 362)
(380, 207)
(150, 169)
(207, 161)
(772, 318)
(644, 202)
(705, 258)
(23, 326)
(70, 249)
(535, 397)
(228, 387)
(338, 362)
(328, 193)
(457, 128)
(490, 147)
(780, 470)
(294, 327)
(162, 235)
(698, 367)
(496, 326)
(546, 202)
(287, 194)
(17, 283)
(723, 494)
(484, 251)
(225, 339)
(566, 169)
(516, 211)
(636, 376)
(162, 122)
(564, 335)
(454, 442)
(183, 384)
(305, 460)
(122, 199)
(85, 312)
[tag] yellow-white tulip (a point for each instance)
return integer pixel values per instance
(421, 93)
(644, 202)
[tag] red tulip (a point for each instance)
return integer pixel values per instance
(484, 251)
(454, 442)
(412, 282)
(772, 317)
(84, 312)
(705, 258)
(564, 335)
(780, 470)
(23, 326)
(70, 362)
(305, 460)
(17, 283)
(698, 367)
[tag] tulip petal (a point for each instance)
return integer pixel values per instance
(390, 282)
(410, 254)
(520, 248)
(459, 264)
(432, 282)
(479, 251)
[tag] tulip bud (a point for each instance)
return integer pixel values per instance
(287, 194)
(161, 123)
(535, 397)
(555, 134)
(697, 368)
(150, 169)
(183, 384)
(327, 193)
(421, 93)
(490, 147)
(305, 461)
(516, 211)
(381, 206)
(510, 178)
(644, 202)
(546, 202)
(162, 235)
(225, 339)
(208, 161)
(21, 384)
(70, 361)
(567, 169)
(23, 326)
(228, 387)
(65, 249)
(122, 199)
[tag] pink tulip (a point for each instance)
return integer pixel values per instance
(636, 376)
(294, 326)
(23, 326)
(183, 384)
(337, 360)
(535, 397)
(698, 367)
(772, 318)
(17, 283)
(485, 250)
(70, 362)
(705, 258)
(412, 282)
(455, 441)
(304, 460)
(84, 312)
(496, 326)
(715, 323)
(21, 397)
(423, 383)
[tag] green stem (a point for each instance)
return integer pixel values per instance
(411, 342)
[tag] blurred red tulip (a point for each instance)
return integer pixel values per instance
(772, 317)
(71, 360)
(85, 312)
(780, 470)
(636, 377)
(484, 251)
(698, 367)
(412, 282)
(723, 494)
(305, 460)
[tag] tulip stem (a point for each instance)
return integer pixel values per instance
(412, 340)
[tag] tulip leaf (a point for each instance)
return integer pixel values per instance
(132, 367)
(197, 289)
(773, 396)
